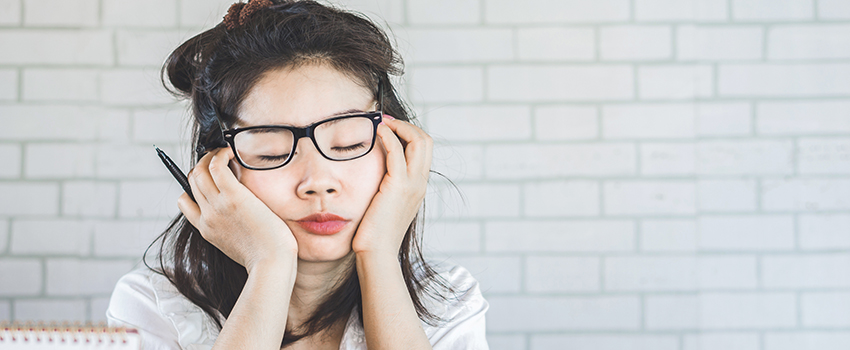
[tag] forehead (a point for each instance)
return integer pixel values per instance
(303, 95)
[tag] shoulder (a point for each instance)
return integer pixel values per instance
(147, 301)
(461, 309)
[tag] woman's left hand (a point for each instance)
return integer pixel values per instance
(401, 192)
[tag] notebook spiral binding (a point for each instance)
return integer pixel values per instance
(61, 332)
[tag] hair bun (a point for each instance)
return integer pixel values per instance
(240, 12)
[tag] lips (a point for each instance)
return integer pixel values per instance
(323, 223)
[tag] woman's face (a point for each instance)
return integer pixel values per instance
(309, 183)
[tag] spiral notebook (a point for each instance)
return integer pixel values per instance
(62, 336)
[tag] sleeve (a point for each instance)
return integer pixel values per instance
(134, 304)
(464, 326)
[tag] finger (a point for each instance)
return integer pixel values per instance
(190, 209)
(196, 188)
(418, 149)
(396, 163)
(202, 177)
(224, 178)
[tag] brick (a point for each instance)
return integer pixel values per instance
(29, 198)
(133, 87)
(540, 161)
(10, 12)
(722, 340)
(130, 161)
(766, 10)
(727, 272)
(784, 80)
(566, 123)
(719, 43)
(556, 44)
(746, 233)
(61, 13)
(803, 117)
(58, 160)
(463, 123)
(4, 235)
(42, 237)
(82, 277)
(667, 159)
(506, 342)
(675, 82)
(161, 125)
(495, 274)
(671, 312)
(747, 310)
(8, 84)
(807, 340)
(202, 13)
(146, 47)
(748, 157)
(561, 198)
(485, 200)
(636, 43)
(668, 235)
(826, 231)
(148, 199)
(128, 238)
(66, 123)
(63, 47)
(806, 271)
(89, 199)
(604, 342)
(443, 11)
(25, 272)
(5, 310)
(805, 194)
(560, 83)
(633, 121)
(798, 42)
(672, 10)
(726, 195)
(140, 13)
(114, 126)
(449, 84)
(46, 309)
(826, 310)
(833, 9)
(391, 11)
(672, 197)
(60, 85)
(540, 314)
(457, 162)
(549, 11)
(549, 274)
(560, 236)
(98, 308)
(664, 273)
(723, 119)
(452, 237)
(10, 157)
(823, 156)
(460, 45)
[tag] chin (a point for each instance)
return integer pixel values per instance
(316, 248)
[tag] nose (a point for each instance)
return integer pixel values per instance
(318, 177)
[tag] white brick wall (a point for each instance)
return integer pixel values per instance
(644, 174)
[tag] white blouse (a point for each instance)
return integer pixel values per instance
(148, 302)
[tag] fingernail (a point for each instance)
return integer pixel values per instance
(389, 117)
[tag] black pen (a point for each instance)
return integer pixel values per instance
(175, 171)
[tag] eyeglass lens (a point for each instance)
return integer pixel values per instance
(339, 139)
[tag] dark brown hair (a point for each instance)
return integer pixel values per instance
(215, 70)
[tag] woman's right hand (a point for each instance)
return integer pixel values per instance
(232, 218)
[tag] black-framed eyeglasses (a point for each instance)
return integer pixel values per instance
(266, 147)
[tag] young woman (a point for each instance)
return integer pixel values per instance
(303, 229)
